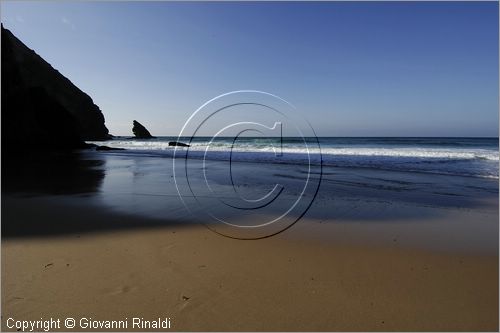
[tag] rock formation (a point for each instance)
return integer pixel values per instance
(140, 131)
(177, 143)
(40, 107)
(106, 148)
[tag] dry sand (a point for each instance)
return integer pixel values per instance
(206, 282)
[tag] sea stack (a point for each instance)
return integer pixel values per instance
(140, 131)
(42, 109)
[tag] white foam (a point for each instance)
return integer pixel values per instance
(462, 161)
(426, 153)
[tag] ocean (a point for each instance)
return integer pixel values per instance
(474, 157)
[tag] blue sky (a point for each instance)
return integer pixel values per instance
(350, 68)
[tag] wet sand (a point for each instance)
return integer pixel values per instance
(399, 260)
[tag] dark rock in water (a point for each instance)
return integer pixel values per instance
(140, 131)
(180, 144)
(41, 108)
(107, 148)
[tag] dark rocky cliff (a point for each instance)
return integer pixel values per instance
(41, 107)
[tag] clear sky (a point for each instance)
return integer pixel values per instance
(351, 68)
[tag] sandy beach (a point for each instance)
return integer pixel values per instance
(397, 263)
(241, 166)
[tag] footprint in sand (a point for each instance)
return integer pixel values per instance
(184, 302)
(122, 290)
(15, 300)
(166, 249)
